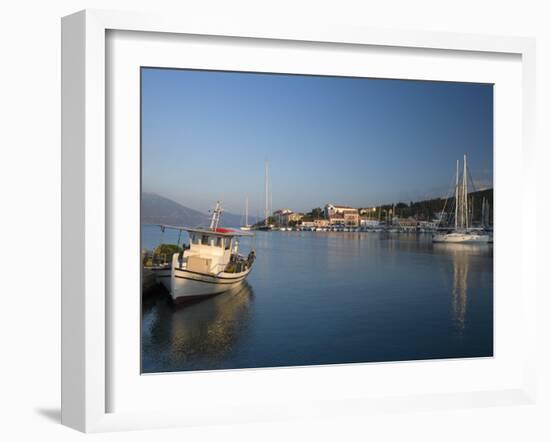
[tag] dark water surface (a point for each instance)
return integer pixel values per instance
(328, 298)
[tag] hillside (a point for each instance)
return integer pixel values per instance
(156, 209)
(428, 208)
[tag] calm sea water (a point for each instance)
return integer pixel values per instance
(329, 298)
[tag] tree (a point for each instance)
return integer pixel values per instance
(317, 213)
(166, 251)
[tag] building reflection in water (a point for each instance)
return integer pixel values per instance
(199, 335)
(462, 256)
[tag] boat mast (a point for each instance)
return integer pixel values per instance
(215, 216)
(485, 215)
(456, 196)
(465, 183)
(266, 193)
(246, 213)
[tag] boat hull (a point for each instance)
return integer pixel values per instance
(164, 278)
(160, 274)
(461, 238)
(187, 285)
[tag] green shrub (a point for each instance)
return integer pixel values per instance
(167, 250)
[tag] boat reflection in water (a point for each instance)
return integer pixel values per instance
(198, 336)
(463, 258)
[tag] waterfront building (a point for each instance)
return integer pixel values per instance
(291, 217)
(405, 223)
(339, 214)
(333, 209)
(351, 219)
(321, 223)
(282, 212)
(337, 220)
(285, 216)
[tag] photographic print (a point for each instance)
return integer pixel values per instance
(300, 220)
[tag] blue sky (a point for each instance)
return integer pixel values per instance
(354, 141)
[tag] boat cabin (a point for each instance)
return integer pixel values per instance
(210, 250)
(220, 242)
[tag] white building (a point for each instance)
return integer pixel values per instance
(338, 214)
(332, 210)
(285, 216)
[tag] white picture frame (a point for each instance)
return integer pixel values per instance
(86, 201)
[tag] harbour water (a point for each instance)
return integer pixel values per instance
(329, 298)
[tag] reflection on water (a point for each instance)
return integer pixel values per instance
(332, 297)
(201, 333)
(461, 255)
(460, 288)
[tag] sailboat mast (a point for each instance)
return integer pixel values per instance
(456, 196)
(246, 213)
(465, 184)
(266, 193)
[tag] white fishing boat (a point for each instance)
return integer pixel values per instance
(210, 264)
(462, 233)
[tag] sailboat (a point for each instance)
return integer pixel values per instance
(462, 232)
(246, 225)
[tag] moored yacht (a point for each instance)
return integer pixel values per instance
(464, 237)
(463, 232)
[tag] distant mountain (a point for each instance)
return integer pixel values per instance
(156, 209)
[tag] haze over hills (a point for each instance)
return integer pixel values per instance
(156, 209)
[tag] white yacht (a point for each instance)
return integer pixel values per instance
(464, 237)
(462, 233)
(211, 264)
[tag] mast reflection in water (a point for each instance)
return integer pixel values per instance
(463, 257)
